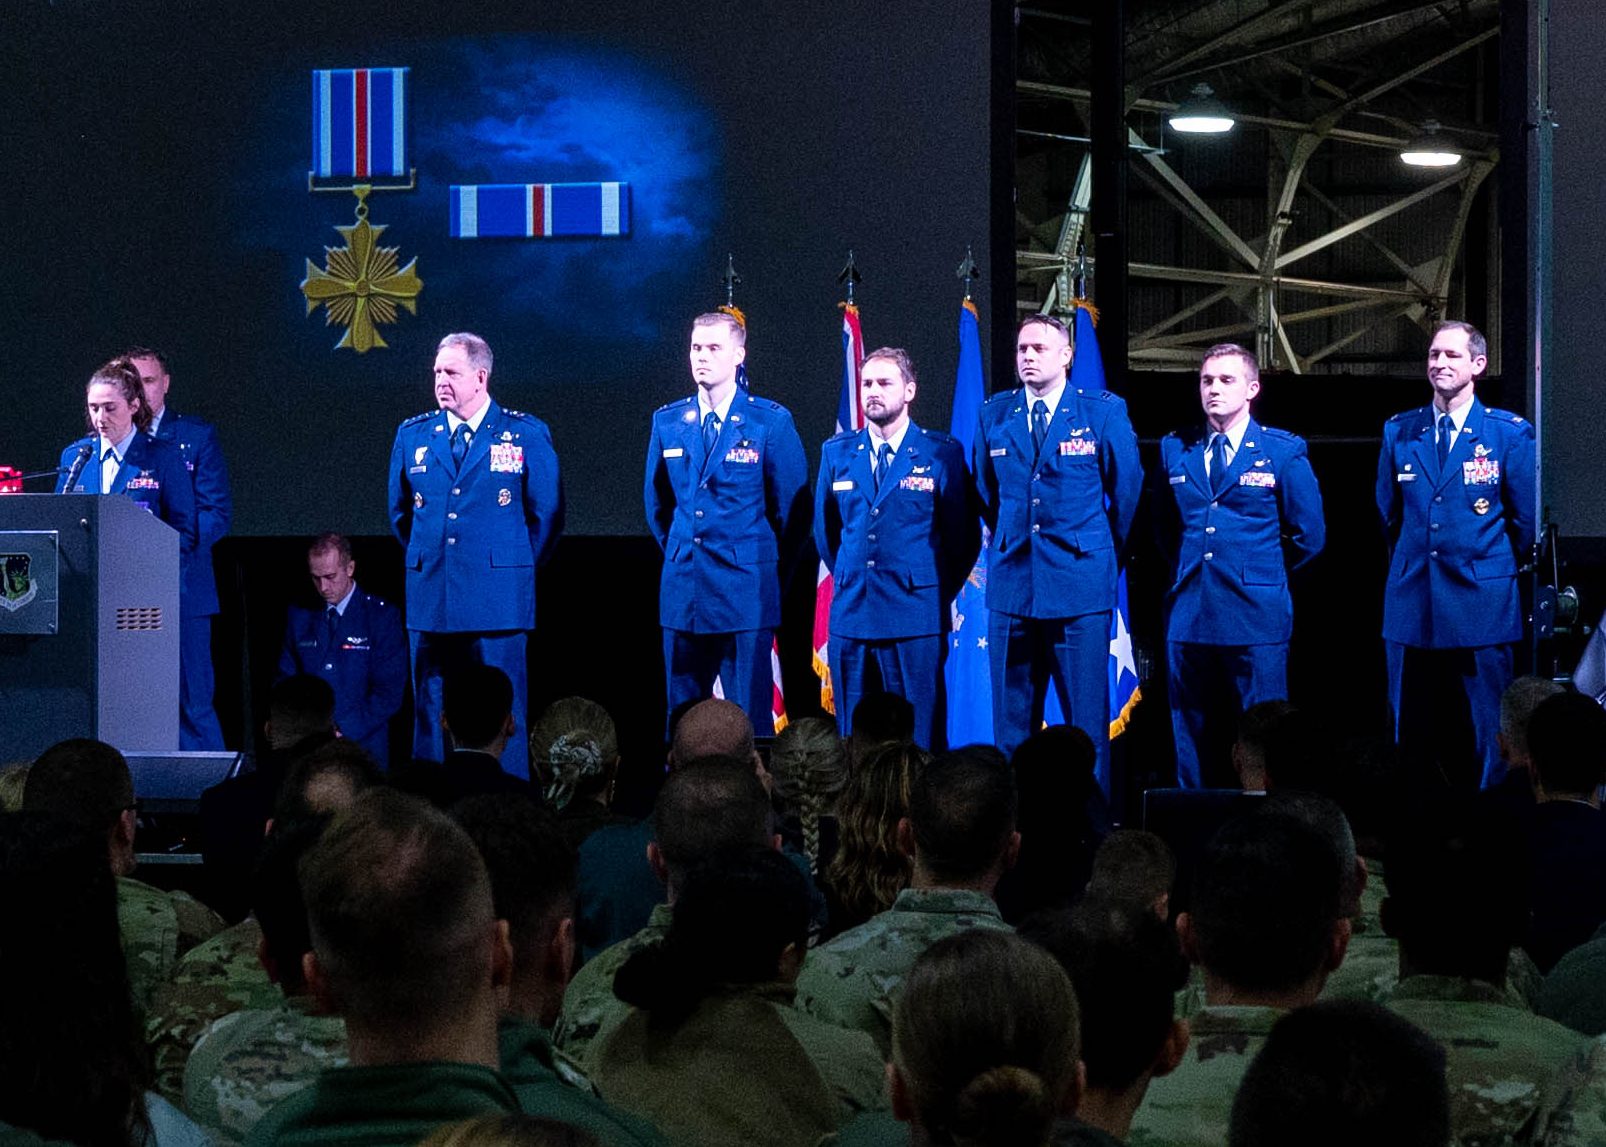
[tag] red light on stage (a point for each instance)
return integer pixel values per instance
(10, 480)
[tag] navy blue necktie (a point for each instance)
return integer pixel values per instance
(883, 462)
(461, 438)
(331, 619)
(1039, 424)
(1218, 462)
(1446, 434)
(710, 433)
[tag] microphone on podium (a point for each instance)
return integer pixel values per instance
(84, 453)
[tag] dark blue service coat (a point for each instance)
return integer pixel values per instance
(731, 526)
(1059, 521)
(196, 441)
(366, 664)
(1231, 553)
(153, 475)
(474, 538)
(897, 555)
(1456, 537)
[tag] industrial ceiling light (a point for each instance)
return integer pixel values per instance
(1430, 149)
(1201, 113)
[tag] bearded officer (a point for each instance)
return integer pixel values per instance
(895, 523)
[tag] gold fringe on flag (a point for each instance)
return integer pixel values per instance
(1092, 311)
(734, 312)
(971, 307)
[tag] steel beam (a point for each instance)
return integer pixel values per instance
(1357, 225)
(1214, 222)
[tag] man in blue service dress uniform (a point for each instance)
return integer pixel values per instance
(726, 496)
(895, 523)
(1455, 487)
(1243, 509)
(476, 498)
(354, 641)
(1059, 479)
(197, 446)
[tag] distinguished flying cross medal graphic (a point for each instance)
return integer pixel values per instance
(359, 144)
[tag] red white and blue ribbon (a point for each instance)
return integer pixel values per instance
(359, 123)
(539, 210)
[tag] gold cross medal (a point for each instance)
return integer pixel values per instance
(359, 144)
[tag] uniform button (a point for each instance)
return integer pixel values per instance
(451, 541)
(1037, 501)
(1209, 557)
(452, 515)
(1433, 553)
(1434, 526)
(1210, 529)
(1036, 528)
(870, 538)
(875, 511)
(456, 490)
(328, 664)
(870, 565)
(697, 541)
(1438, 498)
(1215, 505)
(699, 513)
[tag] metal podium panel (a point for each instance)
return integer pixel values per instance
(110, 667)
(29, 581)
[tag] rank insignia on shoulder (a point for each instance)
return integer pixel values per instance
(1261, 479)
(1079, 447)
(504, 496)
(419, 454)
(1481, 506)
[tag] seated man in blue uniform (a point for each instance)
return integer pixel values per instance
(1455, 488)
(895, 523)
(727, 498)
(1242, 509)
(1057, 471)
(197, 445)
(476, 498)
(354, 642)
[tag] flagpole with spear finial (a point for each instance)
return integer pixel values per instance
(730, 279)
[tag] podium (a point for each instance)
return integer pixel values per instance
(89, 624)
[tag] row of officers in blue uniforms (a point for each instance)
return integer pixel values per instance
(897, 515)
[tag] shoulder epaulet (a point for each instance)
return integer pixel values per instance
(1004, 398)
(1407, 416)
(1504, 416)
(766, 403)
(521, 415)
(1284, 435)
(843, 436)
(941, 438)
(689, 400)
(417, 418)
(1100, 395)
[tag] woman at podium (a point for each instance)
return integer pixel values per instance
(119, 457)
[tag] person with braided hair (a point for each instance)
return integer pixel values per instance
(809, 769)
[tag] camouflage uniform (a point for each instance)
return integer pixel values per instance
(247, 1062)
(211, 981)
(551, 1085)
(1193, 1105)
(743, 1068)
(1579, 1117)
(853, 980)
(1507, 1067)
(590, 1009)
(157, 928)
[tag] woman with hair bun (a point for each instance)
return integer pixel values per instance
(985, 1045)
